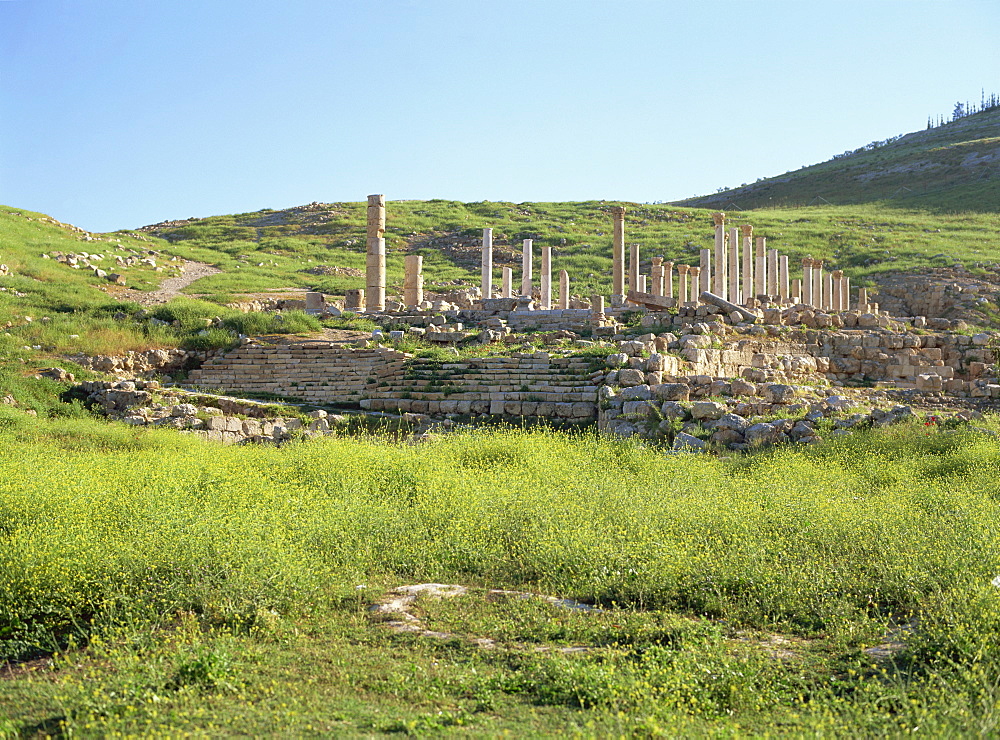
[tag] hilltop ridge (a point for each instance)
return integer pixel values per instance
(953, 167)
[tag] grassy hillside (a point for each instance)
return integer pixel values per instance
(272, 249)
(952, 168)
(58, 310)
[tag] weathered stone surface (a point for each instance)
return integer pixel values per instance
(630, 377)
(709, 410)
(674, 410)
(636, 393)
(672, 391)
(778, 393)
(762, 433)
(684, 442)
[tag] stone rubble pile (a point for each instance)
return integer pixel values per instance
(228, 420)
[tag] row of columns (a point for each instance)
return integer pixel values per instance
(738, 268)
(827, 293)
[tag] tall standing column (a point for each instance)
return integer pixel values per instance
(526, 268)
(668, 279)
(413, 280)
(760, 267)
(546, 278)
(682, 282)
(633, 268)
(734, 265)
(696, 283)
(838, 290)
(618, 254)
(719, 284)
(656, 275)
(507, 286)
(783, 292)
(807, 281)
(847, 293)
(818, 284)
(828, 292)
(375, 259)
(563, 289)
(748, 291)
(772, 272)
(705, 270)
(487, 279)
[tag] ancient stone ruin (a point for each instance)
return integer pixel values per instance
(690, 352)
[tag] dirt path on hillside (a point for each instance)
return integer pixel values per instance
(169, 288)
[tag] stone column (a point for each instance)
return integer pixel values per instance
(796, 294)
(354, 299)
(807, 281)
(847, 293)
(641, 285)
(734, 265)
(618, 253)
(772, 272)
(668, 279)
(760, 267)
(696, 283)
(862, 299)
(748, 292)
(486, 284)
(682, 282)
(817, 288)
(526, 268)
(315, 302)
(563, 289)
(375, 261)
(413, 280)
(546, 296)
(718, 286)
(507, 290)
(633, 268)
(656, 276)
(783, 292)
(705, 271)
(597, 307)
(838, 290)
(828, 292)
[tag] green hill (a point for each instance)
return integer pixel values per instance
(953, 168)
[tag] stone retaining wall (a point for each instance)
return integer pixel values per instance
(523, 385)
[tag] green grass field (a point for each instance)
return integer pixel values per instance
(157, 584)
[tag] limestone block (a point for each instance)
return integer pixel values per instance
(636, 393)
(630, 377)
(777, 393)
(672, 392)
(684, 442)
(762, 433)
(708, 410)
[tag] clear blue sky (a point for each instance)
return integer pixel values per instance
(118, 114)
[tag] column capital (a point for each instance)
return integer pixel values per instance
(837, 274)
(618, 212)
(657, 261)
(746, 229)
(719, 218)
(668, 265)
(683, 268)
(376, 200)
(694, 270)
(807, 261)
(818, 263)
